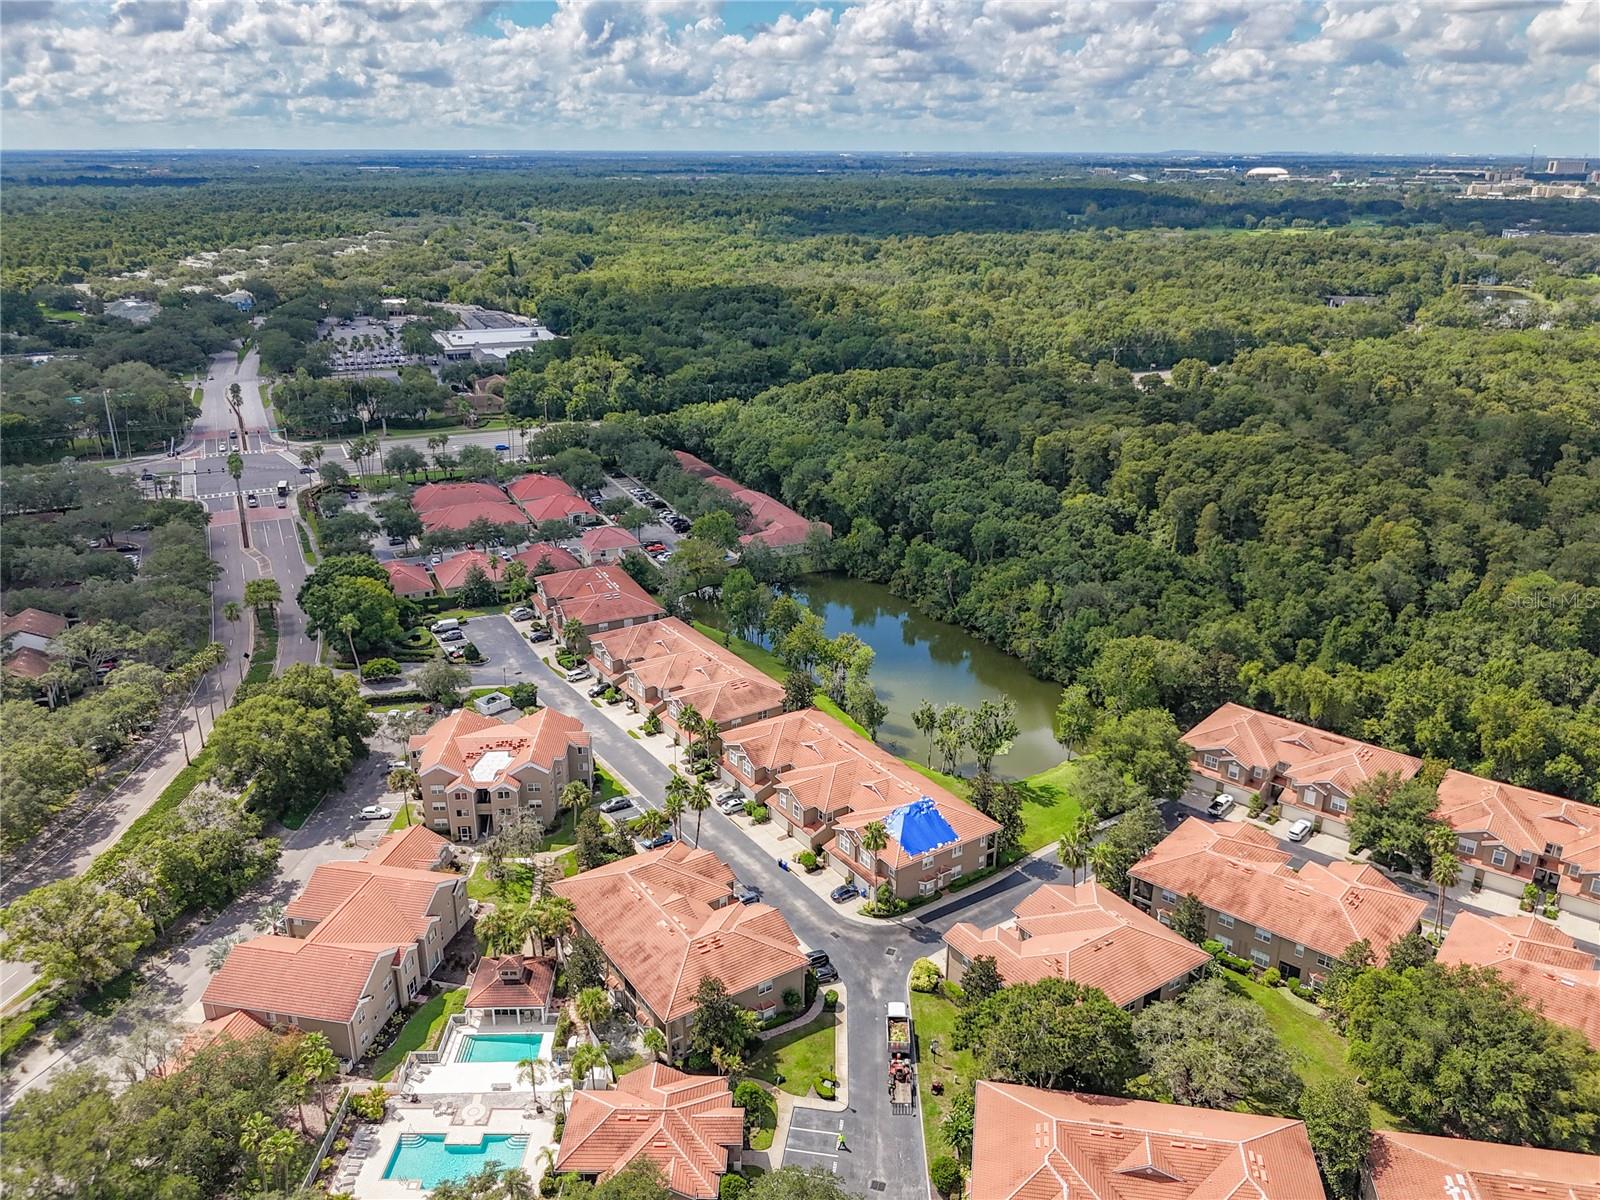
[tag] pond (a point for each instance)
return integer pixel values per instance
(920, 658)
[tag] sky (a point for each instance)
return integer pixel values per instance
(1085, 76)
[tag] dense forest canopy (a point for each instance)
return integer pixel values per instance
(1383, 517)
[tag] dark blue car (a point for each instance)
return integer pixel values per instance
(656, 842)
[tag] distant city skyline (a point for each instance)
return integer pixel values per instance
(1510, 78)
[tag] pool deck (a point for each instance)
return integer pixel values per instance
(475, 1116)
(448, 1077)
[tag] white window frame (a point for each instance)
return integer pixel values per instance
(1260, 957)
(1168, 897)
(1498, 858)
(1264, 936)
(436, 789)
(440, 806)
(1299, 950)
(955, 851)
(1225, 920)
(764, 987)
(1233, 770)
(1337, 804)
(1210, 760)
(1466, 845)
(1164, 917)
(1227, 943)
(927, 887)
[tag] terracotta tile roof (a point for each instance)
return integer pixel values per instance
(35, 621)
(537, 487)
(1414, 1166)
(559, 508)
(1086, 934)
(237, 1025)
(431, 496)
(408, 579)
(666, 920)
(1302, 754)
(481, 751)
(771, 521)
(608, 537)
(559, 559)
(459, 516)
(684, 665)
(686, 1124)
(1540, 961)
(333, 883)
(28, 663)
(595, 595)
(533, 987)
(299, 976)
(1522, 819)
(1238, 869)
(1032, 1144)
(452, 572)
(831, 767)
(414, 847)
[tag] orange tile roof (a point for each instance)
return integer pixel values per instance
(534, 986)
(459, 516)
(332, 883)
(609, 537)
(408, 579)
(1540, 961)
(559, 508)
(559, 559)
(690, 668)
(414, 847)
(595, 595)
(771, 521)
(1032, 1144)
(296, 976)
(1302, 753)
(236, 1025)
(537, 487)
(1240, 870)
(35, 621)
(431, 496)
(666, 920)
(686, 1125)
(1415, 1166)
(453, 571)
(481, 751)
(1086, 934)
(28, 663)
(829, 766)
(1522, 819)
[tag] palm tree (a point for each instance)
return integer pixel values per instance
(307, 457)
(436, 443)
(231, 611)
(320, 1064)
(576, 796)
(532, 1071)
(586, 1059)
(551, 920)
(655, 1042)
(1075, 846)
(699, 801)
(874, 839)
(652, 824)
(674, 809)
(709, 732)
(594, 1008)
(407, 782)
(254, 1131)
(1445, 869)
(348, 624)
(689, 722)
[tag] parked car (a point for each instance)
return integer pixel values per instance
(539, 635)
(599, 689)
(252, 501)
(731, 804)
(307, 470)
(617, 804)
(843, 893)
(435, 559)
(452, 635)
(376, 812)
(1221, 806)
(744, 893)
(455, 653)
(1300, 830)
(581, 671)
(283, 502)
(445, 625)
(521, 613)
(655, 547)
(397, 541)
(655, 843)
(147, 476)
(817, 958)
(826, 973)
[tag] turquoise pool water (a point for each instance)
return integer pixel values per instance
(425, 1157)
(499, 1047)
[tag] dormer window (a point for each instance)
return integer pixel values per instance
(1552, 850)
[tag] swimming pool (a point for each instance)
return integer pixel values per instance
(425, 1157)
(499, 1047)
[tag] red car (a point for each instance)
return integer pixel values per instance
(655, 547)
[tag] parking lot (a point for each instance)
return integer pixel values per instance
(814, 1140)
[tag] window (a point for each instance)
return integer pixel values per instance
(1264, 936)
(1256, 773)
(927, 862)
(1498, 858)
(1337, 804)
(437, 789)
(1552, 850)
(502, 794)
(1525, 857)
(442, 823)
(1572, 870)
(763, 988)
(1261, 958)
(1210, 760)
(1225, 920)
(1466, 845)
(1233, 770)
(534, 788)
(1164, 918)
(440, 806)
(955, 871)
(864, 857)
(1594, 885)
(1227, 943)
(956, 851)
(1324, 961)
(926, 887)
(1169, 897)
(1299, 950)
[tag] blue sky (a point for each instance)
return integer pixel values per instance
(1356, 76)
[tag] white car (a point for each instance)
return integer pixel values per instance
(1221, 806)
(1300, 830)
(376, 812)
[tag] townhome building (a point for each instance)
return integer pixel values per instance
(667, 919)
(826, 783)
(1033, 1144)
(1085, 934)
(542, 558)
(1416, 1166)
(1261, 908)
(593, 599)
(409, 579)
(1239, 751)
(667, 666)
(454, 571)
(479, 774)
(606, 544)
(1542, 963)
(770, 522)
(358, 944)
(1509, 837)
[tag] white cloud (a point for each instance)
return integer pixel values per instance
(940, 74)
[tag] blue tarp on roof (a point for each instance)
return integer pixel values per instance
(920, 827)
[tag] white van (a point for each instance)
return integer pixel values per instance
(445, 626)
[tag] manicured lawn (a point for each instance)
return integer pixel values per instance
(758, 657)
(821, 703)
(515, 888)
(933, 1019)
(1317, 1050)
(421, 1032)
(401, 819)
(800, 1056)
(1048, 806)
(606, 785)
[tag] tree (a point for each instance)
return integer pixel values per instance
(441, 682)
(477, 590)
(587, 1059)
(992, 729)
(981, 979)
(719, 1025)
(1456, 1051)
(403, 460)
(1135, 834)
(1144, 746)
(875, 838)
(799, 687)
(594, 1008)
(945, 1174)
(318, 1062)
(1076, 844)
(951, 735)
(654, 1041)
(586, 967)
(1393, 818)
(1007, 810)
(926, 719)
(551, 919)
(575, 797)
(1445, 868)
(532, 1071)
(1053, 1034)
(1213, 1049)
(75, 932)
(673, 807)
(262, 594)
(861, 703)
(504, 930)
(651, 823)
(406, 782)
(959, 1121)
(1075, 718)
(798, 1183)
(1189, 918)
(284, 749)
(1413, 950)
(1338, 1119)
(1339, 984)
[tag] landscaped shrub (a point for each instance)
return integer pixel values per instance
(1258, 804)
(791, 999)
(1213, 947)
(807, 859)
(924, 975)
(380, 668)
(471, 652)
(733, 1187)
(652, 725)
(825, 1090)
(760, 1111)
(830, 1000)
(524, 696)
(1271, 977)
(757, 812)
(370, 1104)
(946, 1175)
